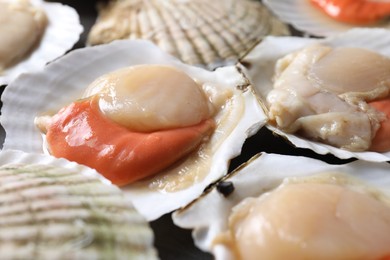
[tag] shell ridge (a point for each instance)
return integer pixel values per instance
(198, 36)
(61, 217)
(236, 35)
(172, 34)
(188, 48)
(245, 34)
(134, 25)
(145, 26)
(224, 50)
(202, 33)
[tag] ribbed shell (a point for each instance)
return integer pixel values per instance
(199, 32)
(48, 212)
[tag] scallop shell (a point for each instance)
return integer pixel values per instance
(202, 32)
(55, 209)
(208, 215)
(62, 81)
(62, 32)
(259, 67)
(307, 18)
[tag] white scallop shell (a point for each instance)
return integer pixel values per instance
(307, 18)
(63, 81)
(260, 64)
(208, 216)
(62, 32)
(85, 195)
(20, 157)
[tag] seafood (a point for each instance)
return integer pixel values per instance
(129, 123)
(355, 11)
(381, 141)
(34, 33)
(279, 209)
(54, 209)
(322, 93)
(201, 32)
(22, 26)
(328, 95)
(228, 109)
(309, 18)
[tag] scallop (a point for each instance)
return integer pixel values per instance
(232, 111)
(273, 208)
(35, 33)
(204, 33)
(23, 26)
(306, 17)
(53, 208)
(327, 111)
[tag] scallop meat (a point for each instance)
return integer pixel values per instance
(328, 95)
(34, 32)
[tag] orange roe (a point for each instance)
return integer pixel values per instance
(381, 141)
(81, 133)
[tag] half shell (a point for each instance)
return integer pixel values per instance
(259, 67)
(53, 208)
(62, 32)
(64, 80)
(201, 32)
(306, 17)
(208, 215)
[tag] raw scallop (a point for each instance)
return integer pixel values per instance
(347, 214)
(62, 31)
(322, 93)
(22, 26)
(238, 116)
(259, 66)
